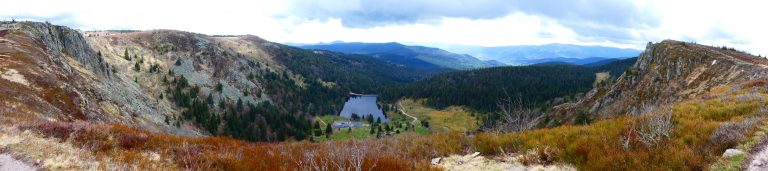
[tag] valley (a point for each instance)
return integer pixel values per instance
(177, 100)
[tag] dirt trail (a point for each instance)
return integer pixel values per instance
(7, 162)
(406, 114)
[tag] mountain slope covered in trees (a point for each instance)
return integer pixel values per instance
(481, 89)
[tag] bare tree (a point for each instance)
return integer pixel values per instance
(515, 116)
(650, 129)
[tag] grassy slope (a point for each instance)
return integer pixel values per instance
(359, 133)
(597, 146)
(451, 118)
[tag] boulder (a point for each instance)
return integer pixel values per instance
(732, 152)
(436, 161)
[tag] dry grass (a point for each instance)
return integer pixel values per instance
(117, 146)
(695, 139)
(692, 143)
(601, 146)
(452, 118)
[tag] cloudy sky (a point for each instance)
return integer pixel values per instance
(617, 23)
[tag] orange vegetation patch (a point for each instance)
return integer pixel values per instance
(222, 153)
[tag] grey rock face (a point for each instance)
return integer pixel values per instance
(666, 73)
(61, 41)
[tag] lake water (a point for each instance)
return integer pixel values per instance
(362, 105)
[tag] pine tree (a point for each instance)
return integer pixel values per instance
(126, 56)
(369, 118)
(182, 82)
(239, 104)
(372, 130)
(328, 130)
(209, 100)
(137, 67)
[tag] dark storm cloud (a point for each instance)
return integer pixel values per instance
(593, 18)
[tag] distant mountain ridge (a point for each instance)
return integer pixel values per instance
(532, 54)
(575, 61)
(414, 56)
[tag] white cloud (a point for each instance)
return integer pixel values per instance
(734, 23)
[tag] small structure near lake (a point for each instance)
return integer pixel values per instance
(346, 124)
(362, 105)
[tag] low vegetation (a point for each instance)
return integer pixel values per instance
(684, 136)
(452, 118)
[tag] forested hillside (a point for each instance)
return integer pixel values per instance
(480, 89)
(327, 78)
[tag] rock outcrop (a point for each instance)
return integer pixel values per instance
(57, 73)
(667, 72)
(52, 72)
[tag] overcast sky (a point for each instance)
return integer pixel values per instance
(617, 23)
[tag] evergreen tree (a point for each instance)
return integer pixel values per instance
(372, 130)
(182, 82)
(328, 130)
(209, 100)
(219, 87)
(126, 56)
(221, 103)
(239, 104)
(369, 118)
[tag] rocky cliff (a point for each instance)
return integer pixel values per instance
(667, 72)
(52, 72)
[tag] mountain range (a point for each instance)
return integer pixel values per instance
(532, 54)
(414, 56)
